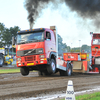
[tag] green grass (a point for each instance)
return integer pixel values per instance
(9, 70)
(93, 96)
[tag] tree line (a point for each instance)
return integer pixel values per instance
(6, 35)
(62, 47)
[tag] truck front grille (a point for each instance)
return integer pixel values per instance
(30, 58)
(30, 52)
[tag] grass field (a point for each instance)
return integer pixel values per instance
(9, 70)
(93, 96)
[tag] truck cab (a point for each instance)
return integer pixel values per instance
(36, 50)
(95, 50)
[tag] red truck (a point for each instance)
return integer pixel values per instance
(37, 49)
(95, 51)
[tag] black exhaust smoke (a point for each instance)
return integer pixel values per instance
(34, 7)
(85, 8)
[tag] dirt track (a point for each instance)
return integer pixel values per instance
(15, 85)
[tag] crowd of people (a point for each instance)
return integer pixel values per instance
(14, 57)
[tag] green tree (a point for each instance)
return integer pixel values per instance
(14, 30)
(62, 47)
(68, 48)
(86, 48)
(6, 38)
(8, 34)
(2, 30)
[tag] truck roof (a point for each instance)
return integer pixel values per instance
(31, 30)
(96, 33)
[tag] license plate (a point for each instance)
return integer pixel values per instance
(30, 64)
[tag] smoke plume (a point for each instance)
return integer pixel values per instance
(84, 8)
(34, 8)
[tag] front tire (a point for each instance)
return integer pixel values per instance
(24, 71)
(1, 60)
(51, 69)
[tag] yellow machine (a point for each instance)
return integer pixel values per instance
(8, 60)
(5, 58)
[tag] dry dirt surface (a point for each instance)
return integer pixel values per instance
(17, 86)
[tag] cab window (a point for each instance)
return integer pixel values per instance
(48, 36)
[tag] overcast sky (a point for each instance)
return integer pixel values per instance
(71, 27)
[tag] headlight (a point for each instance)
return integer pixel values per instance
(18, 59)
(41, 56)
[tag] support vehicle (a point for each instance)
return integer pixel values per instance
(5, 58)
(84, 65)
(95, 51)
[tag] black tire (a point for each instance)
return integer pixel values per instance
(1, 60)
(44, 73)
(99, 71)
(68, 70)
(62, 73)
(40, 73)
(51, 69)
(24, 71)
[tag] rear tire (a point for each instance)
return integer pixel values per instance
(24, 71)
(62, 73)
(68, 70)
(44, 73)
(51, 69)
(40, 73)
(1, 60)
(99, 71)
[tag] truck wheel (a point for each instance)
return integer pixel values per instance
(44, 73)
(62, 73)
(40, 73)
(24, 71)
(68, 70)
(99, 71)
(52, 67)
(1, 60)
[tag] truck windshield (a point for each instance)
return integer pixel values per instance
(96, 41)
(30, 37)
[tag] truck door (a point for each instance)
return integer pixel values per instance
(49, 43)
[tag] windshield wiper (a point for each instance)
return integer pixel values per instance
(23, 42)
(33, 40)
